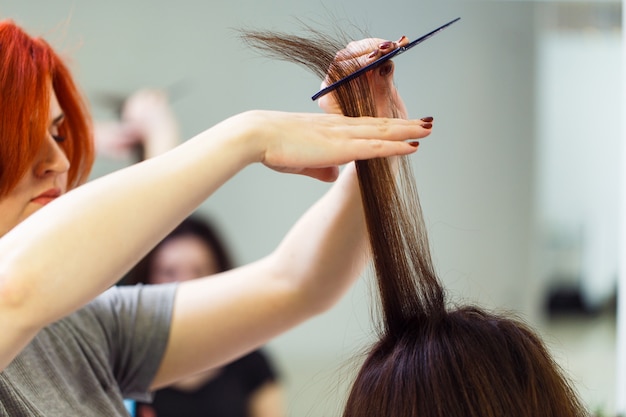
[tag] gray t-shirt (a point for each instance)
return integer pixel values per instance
(87, 363)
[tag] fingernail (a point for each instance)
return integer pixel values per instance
(385, 45)
(414, 144)
(427, 119)
(401, 40)
(373, 54)
(427, 125)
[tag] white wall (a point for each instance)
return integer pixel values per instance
(578, 135)
(579, 113)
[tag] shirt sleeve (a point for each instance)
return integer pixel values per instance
(136, 325)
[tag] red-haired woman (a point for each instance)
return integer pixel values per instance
(71, 344)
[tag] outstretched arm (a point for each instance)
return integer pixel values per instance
(77, 246)
(218, 319)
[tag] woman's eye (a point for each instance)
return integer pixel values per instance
(58, 138)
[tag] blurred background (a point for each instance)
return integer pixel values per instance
(519, 181)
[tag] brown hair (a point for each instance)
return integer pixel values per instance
(429, 360)
(29, 66)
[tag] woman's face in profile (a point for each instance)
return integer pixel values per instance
(44, 181)
(182, 258)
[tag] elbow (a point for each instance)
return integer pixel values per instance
(16, 319)
(15, 302)
(12, 293)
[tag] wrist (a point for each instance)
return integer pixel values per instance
(246, 133)
(238, 137)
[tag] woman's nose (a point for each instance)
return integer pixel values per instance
(52, 159)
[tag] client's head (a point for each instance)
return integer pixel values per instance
(466, 362)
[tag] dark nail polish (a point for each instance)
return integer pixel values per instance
(427, 125)
(427, 119)
(414, 144)
(385, 45)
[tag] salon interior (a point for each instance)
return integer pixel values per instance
(521, 181)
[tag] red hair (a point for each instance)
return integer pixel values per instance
(29, 66)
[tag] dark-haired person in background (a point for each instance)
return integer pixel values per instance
(247, 387)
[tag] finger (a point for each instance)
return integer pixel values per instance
(403, 41)
(328, 103)
(375, 148)
(356, 49)
(379, 127)
(386, 47)
(415, 129)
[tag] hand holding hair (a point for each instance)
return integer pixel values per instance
(363, 52)
(317, 144)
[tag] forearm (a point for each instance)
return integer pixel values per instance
(68, 252)
(80, 244)
(218, 319)
(327, 249)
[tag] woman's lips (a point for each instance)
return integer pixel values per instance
(47, 196)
